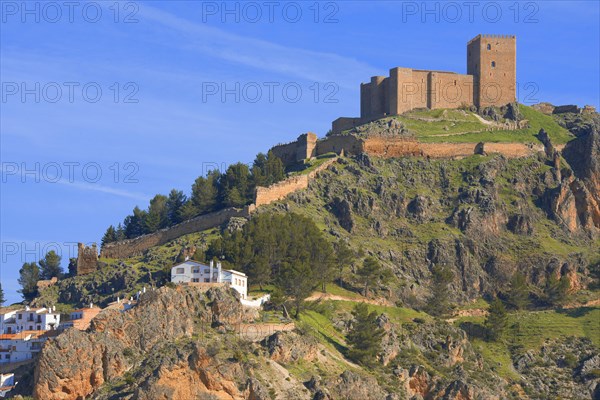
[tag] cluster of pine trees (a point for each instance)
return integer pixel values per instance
(46, 268)
(215, 191)
(286, 250)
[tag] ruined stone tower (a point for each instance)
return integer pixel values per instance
(87, 258)
(492, 60)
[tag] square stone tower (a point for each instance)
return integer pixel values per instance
(492, 60)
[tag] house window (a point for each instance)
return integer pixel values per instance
(180, 270)
(20, 316)
(206, 280)
(489, 46)
(39, 328)
(195, 279)
(30, 327)
(196, 270)
(207, 271)
(493, 64)
(7, 357)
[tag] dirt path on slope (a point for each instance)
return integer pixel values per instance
(328, 296)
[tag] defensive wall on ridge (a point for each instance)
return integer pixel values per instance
(399, 146)
(264, 195)
(136, 246)
(279, 190)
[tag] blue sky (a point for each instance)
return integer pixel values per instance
(75, 160)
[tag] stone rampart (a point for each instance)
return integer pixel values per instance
(336, 143)
(266, 195)
(458, 150)
(387, 147)
(278, 191)
(136, 246)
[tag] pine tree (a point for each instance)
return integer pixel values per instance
(259, 167)
(188, 211)
(29, 274)
(497, 320)
(236, 179)
(325, 262)
(275, 170)
(260, 271)
(175, 203)
(50, 266)
(438, 303)
(371, 273)
(2, 298)
(344, 257)
(557, 289)
(135, 224)
(120, 232)
(72, 266)
(109, 236)
(364, 338)
(518, 294)
(297, 281)
(233, 198)
(204, 193)
(157, 216)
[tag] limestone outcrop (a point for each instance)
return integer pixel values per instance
(75, 364)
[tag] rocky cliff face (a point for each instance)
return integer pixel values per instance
(485, 217)
(578, 200)
(76, 364)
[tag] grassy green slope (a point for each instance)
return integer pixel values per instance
(458, 126)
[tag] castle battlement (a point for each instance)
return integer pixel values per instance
(490, 81)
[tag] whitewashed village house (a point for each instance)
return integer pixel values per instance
(195, 272)
(29, 319)
(23, 332)
(22, 346)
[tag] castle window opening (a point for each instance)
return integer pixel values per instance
(493, 64)
(489, 46)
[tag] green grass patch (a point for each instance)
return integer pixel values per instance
(458, 126)
(498, 356)
(322, 329)
(336, 290)
(396, 314)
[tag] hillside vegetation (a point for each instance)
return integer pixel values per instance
(433, 248)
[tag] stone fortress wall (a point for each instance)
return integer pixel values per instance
(279, 190)
(490, 80)
(263, 196)
(389, 146)
(136, 246)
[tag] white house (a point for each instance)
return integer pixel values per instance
(22, 346)
(195, 272)
(6, 316)
(30, 319)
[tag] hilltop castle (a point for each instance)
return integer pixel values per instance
(490, 81)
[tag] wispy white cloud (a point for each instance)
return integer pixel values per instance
(104, 189)
(257, 53)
